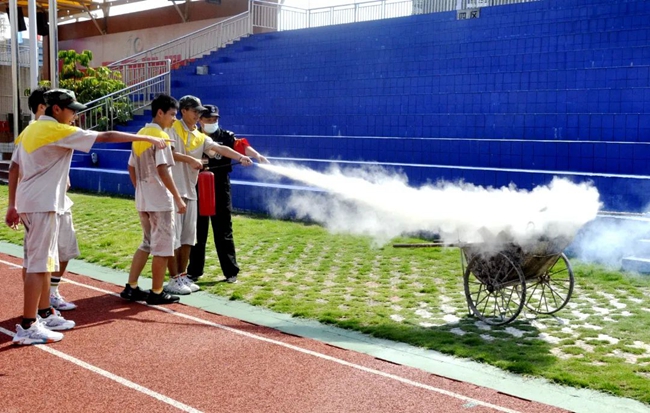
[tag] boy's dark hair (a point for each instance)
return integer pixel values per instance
(163, 102)
(36, 98)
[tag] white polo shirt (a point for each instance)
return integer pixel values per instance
(193, 143)
(44, 152)
(151, 194)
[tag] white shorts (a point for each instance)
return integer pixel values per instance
(68, 246)
(186, 225)
(158, 233)
(40, 246)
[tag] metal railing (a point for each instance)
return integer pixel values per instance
(118, 106)
(193, 45)
(133, 73)
(279, 17)
(359, 12)
(148, 73)
(6, 56)
(435, 6)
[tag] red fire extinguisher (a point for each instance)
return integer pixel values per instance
(206, 194)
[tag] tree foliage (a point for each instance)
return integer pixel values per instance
(90, 84)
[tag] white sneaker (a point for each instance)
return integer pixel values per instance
(176, 286)
(188, 281)
(58, 302)
(56, 323)
(36, 334)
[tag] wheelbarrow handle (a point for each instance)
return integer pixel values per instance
(423, 245)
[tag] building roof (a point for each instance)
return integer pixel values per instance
(76, 10)
(63, 6)
(73, 9)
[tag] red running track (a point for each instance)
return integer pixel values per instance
(125, 356)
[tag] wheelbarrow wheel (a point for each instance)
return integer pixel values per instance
(550, 292)
(495, 288)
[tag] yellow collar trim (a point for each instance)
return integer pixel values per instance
(44, 131)
(150, 129)
(191, 140)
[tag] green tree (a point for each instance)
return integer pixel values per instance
(90, 84)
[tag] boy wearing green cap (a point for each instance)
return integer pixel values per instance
(42, 161)
(189, 145)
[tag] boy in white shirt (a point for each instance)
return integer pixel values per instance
(155, 195)
(67, 242)
(189, 145)
(38, 179)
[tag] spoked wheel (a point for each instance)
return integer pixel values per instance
(495, 288)
(551, 291)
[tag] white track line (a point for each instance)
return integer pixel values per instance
(313, 353)
(11, 264)
(267, 340)
(111, 376)
(104, 373)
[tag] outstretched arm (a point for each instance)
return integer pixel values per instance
(251, 152)
(232, 154)
(117, 137)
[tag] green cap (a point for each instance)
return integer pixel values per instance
(63, 98)
(190, 102)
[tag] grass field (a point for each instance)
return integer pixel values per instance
(599, 341)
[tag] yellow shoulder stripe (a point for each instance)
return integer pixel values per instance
(139, 147)
(40, 134)
(195, 140)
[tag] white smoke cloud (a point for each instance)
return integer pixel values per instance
(374, 202)
(609, 239)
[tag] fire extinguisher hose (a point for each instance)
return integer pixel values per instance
(211, 168)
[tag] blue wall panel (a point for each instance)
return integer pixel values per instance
(524, 92)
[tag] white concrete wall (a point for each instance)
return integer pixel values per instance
(112, 47)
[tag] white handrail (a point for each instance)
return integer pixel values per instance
(102, 112)
(196, 44)
(136, 72)
(279, 17)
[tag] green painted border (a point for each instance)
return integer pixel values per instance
(539, 390)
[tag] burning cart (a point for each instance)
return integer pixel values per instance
(500, 283)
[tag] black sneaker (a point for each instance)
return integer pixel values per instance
(162, 298)
(134, 294)
(231, 279)
(194, 278)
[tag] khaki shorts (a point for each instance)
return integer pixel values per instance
(40, 246)
(186, 224)
(158, 233)
(68, 246)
